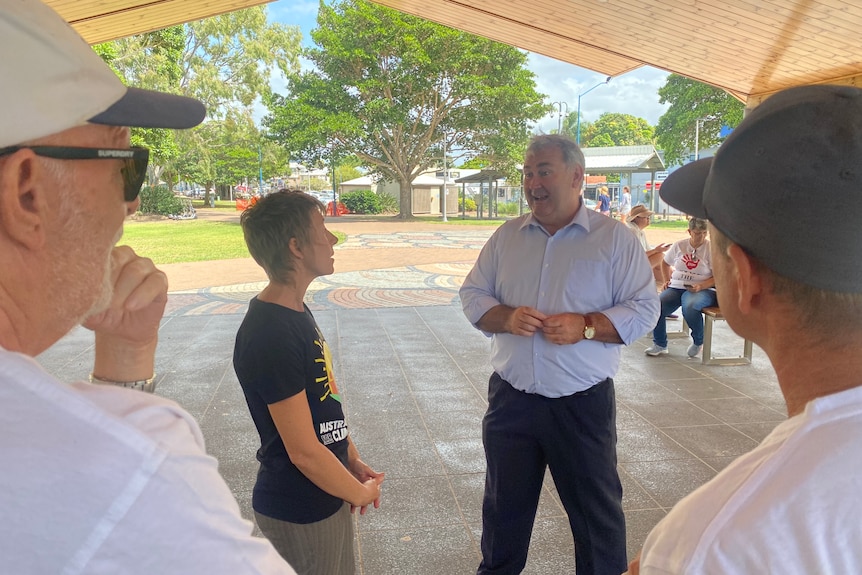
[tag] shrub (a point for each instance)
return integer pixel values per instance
(159, 200)
(507, 208)
(362, 202)
(388, 203)
(467, 204)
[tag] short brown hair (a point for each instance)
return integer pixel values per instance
(270, 224)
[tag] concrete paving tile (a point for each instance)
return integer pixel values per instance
(718, 463)
(669, 480)
(383, 429)
(648, 444)
(638, 525)
(437, 550)
(448, 425)
(448, 400)
(552, 548)
(712, 440)
(702, 388)
(366, 404)
(634, 495)
(756, 430)
(739, 410)
(643, 392)
(462, 455)
(413, 502)
(672, 413)
(400, 460)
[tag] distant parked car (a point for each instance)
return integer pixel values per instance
(590, 204)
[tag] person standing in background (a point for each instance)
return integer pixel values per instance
(604, 202)
(625, 204)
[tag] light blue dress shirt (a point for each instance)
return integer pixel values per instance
(593, 264)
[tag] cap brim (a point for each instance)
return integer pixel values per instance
(683, 188)
(149, 109)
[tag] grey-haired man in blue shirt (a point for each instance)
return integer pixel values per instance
(559, 290)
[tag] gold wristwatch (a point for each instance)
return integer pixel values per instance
(589, 328)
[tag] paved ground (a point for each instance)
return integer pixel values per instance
(414, 376)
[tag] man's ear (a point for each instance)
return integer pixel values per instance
(578, 180)
(24, 209)
(749, 281)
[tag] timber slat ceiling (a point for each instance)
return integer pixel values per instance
(104, 20)
(751, 48)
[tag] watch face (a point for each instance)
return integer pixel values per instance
(589, 332)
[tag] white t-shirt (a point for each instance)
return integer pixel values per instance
(101, 479)
(688, 265)
(791, 506)
(625, 203)
(640, 235)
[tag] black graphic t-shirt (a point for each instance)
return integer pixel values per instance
(280, 352)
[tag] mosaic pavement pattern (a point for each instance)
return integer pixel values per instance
(405, 286)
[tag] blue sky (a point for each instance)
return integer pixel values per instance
(634, 93)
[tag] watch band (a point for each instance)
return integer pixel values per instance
(147, 385)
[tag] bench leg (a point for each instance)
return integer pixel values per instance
(707, 359)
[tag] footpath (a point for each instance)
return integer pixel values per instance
(372, 244)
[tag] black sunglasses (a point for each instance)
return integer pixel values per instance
(135, 161)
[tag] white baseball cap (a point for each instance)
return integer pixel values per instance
(52, 81)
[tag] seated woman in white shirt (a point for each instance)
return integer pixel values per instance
(687, 269)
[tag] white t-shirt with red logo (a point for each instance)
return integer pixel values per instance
(689, 265)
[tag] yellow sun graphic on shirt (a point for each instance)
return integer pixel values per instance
(328, 377)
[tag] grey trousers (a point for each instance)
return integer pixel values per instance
(320, 548)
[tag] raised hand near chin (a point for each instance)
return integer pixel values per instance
(127, 329)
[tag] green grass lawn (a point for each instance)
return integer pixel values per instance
(670, 224)
(168, 242)
(171, 241)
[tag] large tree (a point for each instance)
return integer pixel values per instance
(693, 103)
(393, 89)
(611, 129)
(225, 61)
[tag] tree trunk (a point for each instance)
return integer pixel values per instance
(405, 204)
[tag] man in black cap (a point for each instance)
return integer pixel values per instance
(788, 270)
(96, 477)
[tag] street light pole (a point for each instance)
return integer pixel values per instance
(578, 136)
(445, 191)
(260, 172)
(560, 115)
(697, 124)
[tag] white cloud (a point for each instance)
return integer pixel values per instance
(635, 93)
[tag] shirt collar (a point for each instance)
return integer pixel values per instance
(582, 218)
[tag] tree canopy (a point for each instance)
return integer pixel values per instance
(226, 62)
(393, 89)
(611, 129)
(691, 101)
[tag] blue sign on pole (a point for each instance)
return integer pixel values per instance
(725, 131)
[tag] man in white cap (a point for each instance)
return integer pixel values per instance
(96, 477)
(791, 505)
